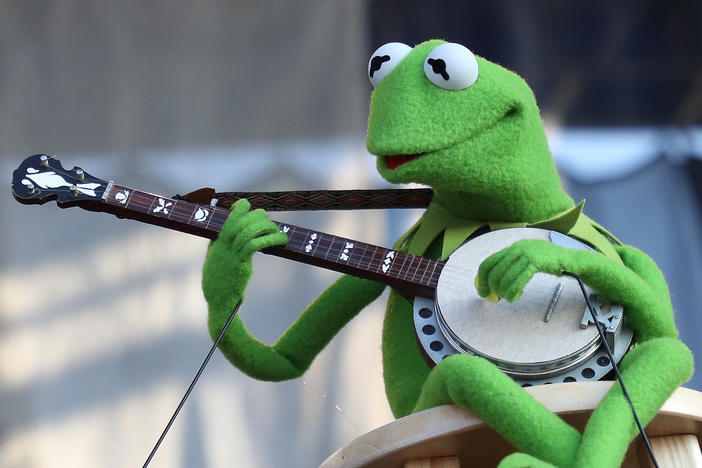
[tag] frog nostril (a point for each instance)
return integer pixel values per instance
(513, 111)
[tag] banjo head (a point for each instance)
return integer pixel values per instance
(518, 337)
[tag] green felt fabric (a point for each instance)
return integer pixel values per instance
(522, 460)
(476, 384)
(438, 220)
(651, 372)
(226, 272)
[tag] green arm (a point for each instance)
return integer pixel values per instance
(642, 292)
(225, 275)
(651, 371)
(290, 357)
(647, 270)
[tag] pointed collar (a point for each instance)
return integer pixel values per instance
(456, 230)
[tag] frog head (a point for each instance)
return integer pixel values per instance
(465, 126)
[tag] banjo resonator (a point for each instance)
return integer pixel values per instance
(546, 336)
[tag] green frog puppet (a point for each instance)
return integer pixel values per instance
(471, 130)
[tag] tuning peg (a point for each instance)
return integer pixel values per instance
(74, 190)
(31, 189)
(80, 175)
(44, 160)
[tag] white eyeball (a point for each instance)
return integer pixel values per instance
(451, 66)
(384, 59)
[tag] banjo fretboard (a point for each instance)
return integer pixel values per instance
(409, 274)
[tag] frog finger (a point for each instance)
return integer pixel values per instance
(518, 281)
(252, 229)
(482, 284)
(502, 269)
(502, 283)
(490, 296)
(268, 240)
(230, 227)
(499, 260)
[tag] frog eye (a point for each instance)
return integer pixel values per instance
(451, 66)
(384, 59)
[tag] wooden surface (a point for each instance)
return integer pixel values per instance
(681, 451)
(443, 462)
(451, 431)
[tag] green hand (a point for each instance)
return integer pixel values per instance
(227, 266)
(507, 272)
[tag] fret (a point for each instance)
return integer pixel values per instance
(170, 213)
(193, 210)
(438, 267)
(211, 215)
(215, 214)
(331, 242)
(182, 212)
(151, 205)
(409, 270)
(432, 273)
(420, 269)
(336, 251)
(367, 258)
(361, 254)
(424, 271)
(372, 259)
(404, 260)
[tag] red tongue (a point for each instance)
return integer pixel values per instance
(394, 162)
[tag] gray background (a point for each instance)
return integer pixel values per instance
(102, 322)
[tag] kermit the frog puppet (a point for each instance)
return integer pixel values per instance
(471, 130)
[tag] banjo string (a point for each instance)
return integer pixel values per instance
(336, 405)
(192, 384)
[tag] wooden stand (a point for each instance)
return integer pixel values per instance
(450, 437)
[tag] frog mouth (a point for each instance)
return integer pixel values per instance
(397, 160)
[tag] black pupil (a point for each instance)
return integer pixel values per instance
(377, 62)
(438, 66)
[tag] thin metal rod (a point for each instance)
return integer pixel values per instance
(192, 384)
(614, 366)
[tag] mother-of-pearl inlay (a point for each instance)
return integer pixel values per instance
(51, 180)
(162, 206)
(201, 214)
(122, 197)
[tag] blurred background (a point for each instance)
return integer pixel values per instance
(102, 321)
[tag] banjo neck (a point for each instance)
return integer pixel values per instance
(41, 178)
(409, 274)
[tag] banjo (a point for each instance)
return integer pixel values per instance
(546, 336)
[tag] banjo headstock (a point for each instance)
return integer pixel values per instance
(41, 178)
